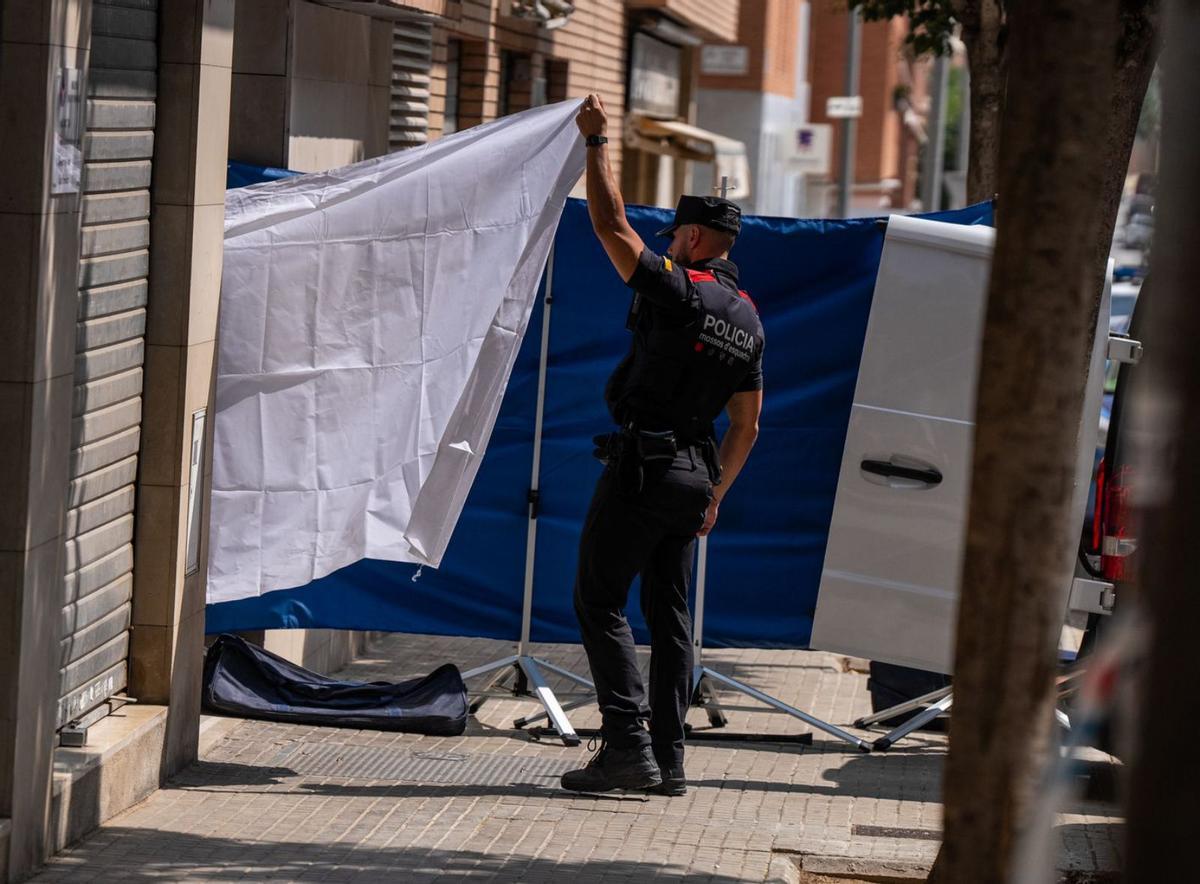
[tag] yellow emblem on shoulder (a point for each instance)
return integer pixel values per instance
(667, 265)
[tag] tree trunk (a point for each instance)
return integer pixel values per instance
(983, 33)
(1167, 480)
(1137, 50)
(1038, 332)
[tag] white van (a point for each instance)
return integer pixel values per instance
(890, 585)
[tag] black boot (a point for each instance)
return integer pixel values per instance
(673, 782)
(615, 768)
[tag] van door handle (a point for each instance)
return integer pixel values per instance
(889, 470)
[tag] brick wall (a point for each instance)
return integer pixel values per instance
(879, 130)
(770, 28)
(586, 55)
(718, 19)
(781, 31)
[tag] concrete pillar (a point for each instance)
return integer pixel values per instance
(187, 217)
(258, 131)
(39, 263)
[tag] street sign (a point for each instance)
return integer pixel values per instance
(729, 61)
(810, 148)
(841, 107)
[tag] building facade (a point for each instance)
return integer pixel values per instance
(890, 131)
(756, 90)
(320, 83)
(662, 137)
(769, 89)
(114, 122)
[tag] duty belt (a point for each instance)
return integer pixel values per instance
(631, 450)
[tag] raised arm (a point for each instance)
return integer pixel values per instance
(605, 206)
(743, 410)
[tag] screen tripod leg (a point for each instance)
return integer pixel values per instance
(566, 707)
(545, 696)
(900, 708)
(502, 670)
(706, 697)
(919, 720)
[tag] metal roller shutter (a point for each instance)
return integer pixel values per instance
(412, 56)
(114, 264)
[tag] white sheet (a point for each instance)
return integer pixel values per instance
(370, 317)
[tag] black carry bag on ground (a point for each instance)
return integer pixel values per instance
(244, 680)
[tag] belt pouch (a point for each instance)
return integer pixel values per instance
(712, 460)
(656, 446)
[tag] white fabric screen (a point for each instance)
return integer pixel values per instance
(370, 317)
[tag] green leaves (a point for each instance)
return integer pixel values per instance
(933, 21)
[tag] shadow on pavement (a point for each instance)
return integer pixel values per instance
(230, 773)
(746, 671)
(908, 776)
(127, 854)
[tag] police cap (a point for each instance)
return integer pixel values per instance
(707, 211)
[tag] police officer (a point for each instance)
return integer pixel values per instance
(697, 350)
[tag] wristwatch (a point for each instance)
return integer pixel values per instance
(595, 140)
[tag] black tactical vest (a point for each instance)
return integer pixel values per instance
(697, 340)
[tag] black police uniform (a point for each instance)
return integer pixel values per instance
(697, 340)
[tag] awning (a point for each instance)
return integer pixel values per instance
(394, 10)
(674, 139)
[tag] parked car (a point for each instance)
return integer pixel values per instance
(1109, 546)
(1124, 298)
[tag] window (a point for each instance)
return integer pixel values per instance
(556, 80)
(516, 83)
(453, 79)
(506, 74)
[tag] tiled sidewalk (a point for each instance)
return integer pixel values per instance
(287, 802)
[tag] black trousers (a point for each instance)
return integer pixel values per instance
(651, 533)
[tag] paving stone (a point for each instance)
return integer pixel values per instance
(270, 802)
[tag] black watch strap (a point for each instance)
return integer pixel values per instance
(595, 140)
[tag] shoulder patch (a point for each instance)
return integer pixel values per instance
(667, 265)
